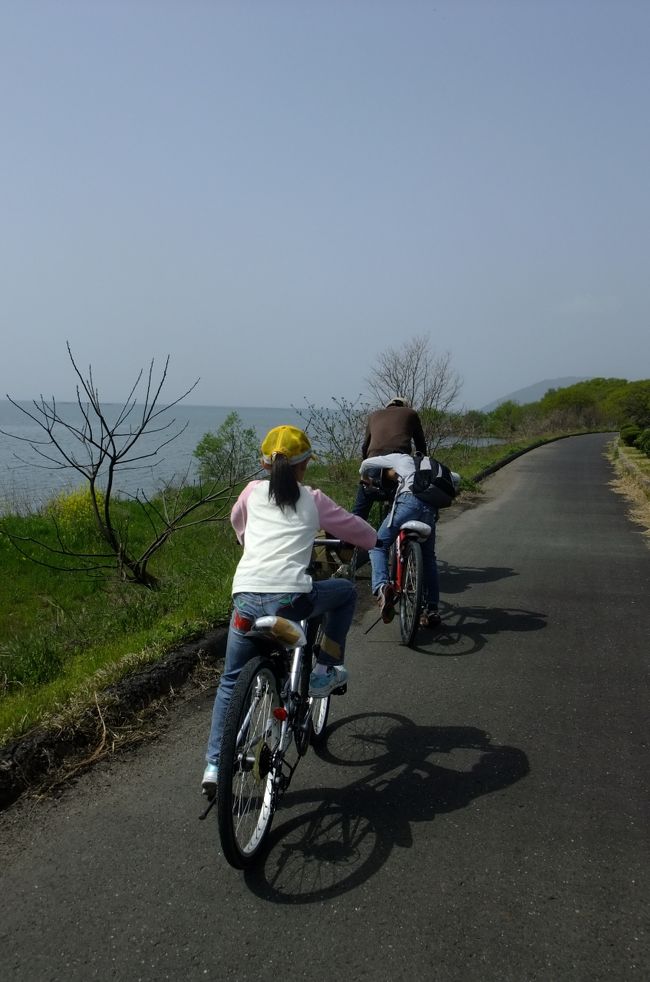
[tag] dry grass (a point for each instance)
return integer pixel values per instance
(632, 483)
(106, 736)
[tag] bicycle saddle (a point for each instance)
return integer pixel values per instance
(420, 530)
(274, 628)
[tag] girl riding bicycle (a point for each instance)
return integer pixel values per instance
(276, 521)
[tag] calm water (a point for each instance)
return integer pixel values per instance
(28, 482)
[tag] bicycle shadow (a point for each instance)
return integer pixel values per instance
(456, 579)
(347, 834)
(465, 631)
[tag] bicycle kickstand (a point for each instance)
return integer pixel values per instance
(205, 814)
(374, 624)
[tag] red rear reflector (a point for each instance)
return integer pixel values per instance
(280, 713)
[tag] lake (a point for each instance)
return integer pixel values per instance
(27, 481)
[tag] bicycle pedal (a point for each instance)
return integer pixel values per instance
(342, 689)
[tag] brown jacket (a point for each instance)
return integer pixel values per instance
(391, 430)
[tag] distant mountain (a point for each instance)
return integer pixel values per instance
(534, 392)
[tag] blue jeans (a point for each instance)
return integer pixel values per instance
(335, 599)
(407, 508)
(367, 496)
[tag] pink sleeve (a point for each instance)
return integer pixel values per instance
(239, 512)
(339, 523)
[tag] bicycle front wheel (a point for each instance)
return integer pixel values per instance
(411, 595)
(245, 793)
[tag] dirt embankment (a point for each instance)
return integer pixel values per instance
(46, 756)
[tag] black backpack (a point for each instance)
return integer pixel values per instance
(434, 487)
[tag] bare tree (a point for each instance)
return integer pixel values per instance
(337, 431)
(425, 379)
(96, 448)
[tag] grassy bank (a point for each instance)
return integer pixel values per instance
(67, 635)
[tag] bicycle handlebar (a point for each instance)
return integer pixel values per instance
(341, 543)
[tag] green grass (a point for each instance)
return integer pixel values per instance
(67, 635)
(60, 629)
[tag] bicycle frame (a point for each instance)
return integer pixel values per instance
(270, 708)
(295, 723)
(411, 530)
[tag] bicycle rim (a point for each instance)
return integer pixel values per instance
(245, 794)
(411, 596)
(320, 708)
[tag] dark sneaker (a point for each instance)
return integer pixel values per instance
(386, 601)
(209, 782)
(430, 617)
(324, 685)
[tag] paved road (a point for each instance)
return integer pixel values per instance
(480, 814)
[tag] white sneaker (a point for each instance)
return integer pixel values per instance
(323, 685)
(209, 782)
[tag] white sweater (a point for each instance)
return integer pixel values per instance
(278, 544)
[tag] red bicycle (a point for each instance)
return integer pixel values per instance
(406, 577)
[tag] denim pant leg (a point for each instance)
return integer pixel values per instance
(335, 599)
(365, 499)
(367, 496)
(379, 555)
(239, 650)
(408, 508)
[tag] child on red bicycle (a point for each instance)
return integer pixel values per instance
(399, 469)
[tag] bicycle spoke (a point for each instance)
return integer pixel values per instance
(251, 736)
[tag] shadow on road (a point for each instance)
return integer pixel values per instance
(466, 631)
(342, 836)
(456, 579)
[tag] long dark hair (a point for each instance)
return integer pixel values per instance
(284, 489)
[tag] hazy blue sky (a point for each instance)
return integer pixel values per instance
(273, 192)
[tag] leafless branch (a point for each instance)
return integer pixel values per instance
(98, 449)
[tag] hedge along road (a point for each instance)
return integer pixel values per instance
(479, 813)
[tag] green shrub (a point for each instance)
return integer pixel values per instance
(642, 442)
(230, 454)
(629, 433)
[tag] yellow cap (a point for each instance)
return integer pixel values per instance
(289, 441)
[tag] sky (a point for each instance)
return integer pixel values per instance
(273, 192)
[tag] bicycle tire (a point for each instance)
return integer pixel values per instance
(303, 724)
(411, 595)
(245, 791)
(320, 708)
(392, 562)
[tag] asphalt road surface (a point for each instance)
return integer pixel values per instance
(480, 812)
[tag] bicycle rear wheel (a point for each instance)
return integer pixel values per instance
(411, 596)
(320, 708)
(245, 793)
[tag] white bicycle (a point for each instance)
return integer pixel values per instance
(270, 710)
